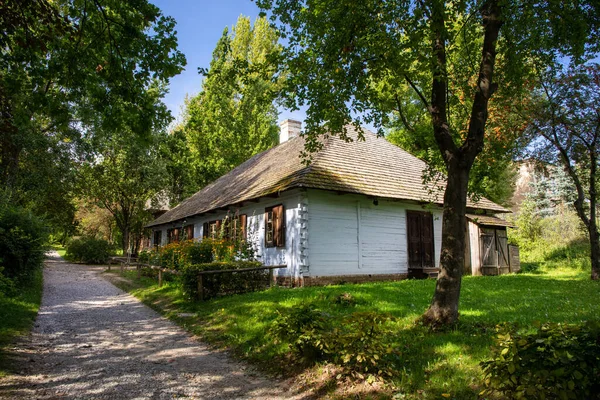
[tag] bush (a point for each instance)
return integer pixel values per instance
(7, 286)
(22, 243)
(357, 342)
(226, 283)
(557, 362)
(88, 250)
(303, 328)
(177, 255)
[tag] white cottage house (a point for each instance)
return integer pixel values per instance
(358, 212)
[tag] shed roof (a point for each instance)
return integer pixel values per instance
(373, 167)
(489, 220)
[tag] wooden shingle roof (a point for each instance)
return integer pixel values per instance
(373, 167)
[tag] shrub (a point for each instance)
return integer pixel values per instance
(88, 250)
(226, 283)
(557, 362)
(357, 342)
(7, 285)
(303, 328)
(22, 242)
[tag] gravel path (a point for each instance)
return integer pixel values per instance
(93, 341)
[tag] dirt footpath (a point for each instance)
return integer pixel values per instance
(93, 341)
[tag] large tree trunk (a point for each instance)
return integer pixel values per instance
(459, 160)
(444, 306)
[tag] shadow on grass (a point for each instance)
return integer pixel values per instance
(432, 364)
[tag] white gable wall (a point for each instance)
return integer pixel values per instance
(289, 255)
(349, 235)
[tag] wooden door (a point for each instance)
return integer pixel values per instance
(502, 245)
(488, 248)
(420, 239)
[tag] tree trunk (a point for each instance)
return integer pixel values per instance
(444, 306)
(125, 240)
(594, 252)
(593, 227)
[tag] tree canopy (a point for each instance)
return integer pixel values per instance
(337, 51)
(234, 116)
(73, 69)
(565, 129)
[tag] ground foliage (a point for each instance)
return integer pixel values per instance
(357, 342)
(558, 361)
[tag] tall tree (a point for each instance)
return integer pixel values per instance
(74, 68)
(566, 124)
(122, 177)
(336, 50)
(234, 116)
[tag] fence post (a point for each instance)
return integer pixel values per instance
(121, 267)
(271, 278)
(160, 278)
(139, 271)
(200, 288)
(109, 263)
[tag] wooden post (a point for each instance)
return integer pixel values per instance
(160, 278)
(121, 268)
(200, 288)
(109, 263)
(271, 278)
(139, 271)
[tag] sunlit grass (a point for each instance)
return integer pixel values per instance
(433, 364)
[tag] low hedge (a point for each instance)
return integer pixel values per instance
(89, 250)
(559, 361)
(225, 283)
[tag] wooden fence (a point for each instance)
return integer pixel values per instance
(125, 263)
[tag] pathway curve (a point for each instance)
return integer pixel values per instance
(93, 341)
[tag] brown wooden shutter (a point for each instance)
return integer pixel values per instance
(189, 232)
(420, 239)
(427, 240)
(205, 228)
(242, 226)
(279, 226)
(414, 240)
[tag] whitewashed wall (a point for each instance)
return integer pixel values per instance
(289, 255)
(349, 235)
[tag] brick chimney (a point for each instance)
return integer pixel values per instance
(289, 128)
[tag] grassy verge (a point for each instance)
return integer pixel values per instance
(17, 315)
(432, 365)
(60, 249)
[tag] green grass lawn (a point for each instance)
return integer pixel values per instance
(59, 249)
(433, 364)
(17, 315)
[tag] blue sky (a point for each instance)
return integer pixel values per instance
(200, 24)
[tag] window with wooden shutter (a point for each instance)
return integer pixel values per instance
(188, 232)
(237, 228)
(173, 235)
(242, 224)
(275, 226)
(157, 238)
(212, 229)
